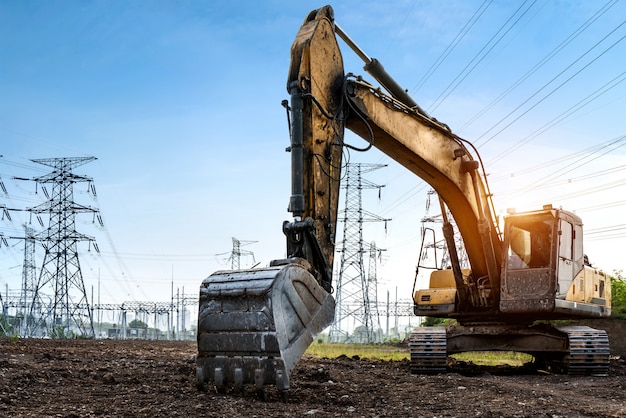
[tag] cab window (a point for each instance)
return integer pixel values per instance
(565, 240)
(530, 243)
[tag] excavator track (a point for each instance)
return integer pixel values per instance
(428, 349)
(588, 351)
(576, 350)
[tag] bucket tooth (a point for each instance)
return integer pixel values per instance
(218, 376)
(238, 377)
(281, 381)
(254, 325)
(258, 378)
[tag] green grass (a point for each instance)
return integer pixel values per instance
(398, 353)
(494, 358)
(370, 351)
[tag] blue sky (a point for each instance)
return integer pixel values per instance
(180, 103)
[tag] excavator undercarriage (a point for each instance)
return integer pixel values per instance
(575, 350)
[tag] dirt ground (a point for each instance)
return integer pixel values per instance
(55, 378)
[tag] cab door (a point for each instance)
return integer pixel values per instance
(565, 251)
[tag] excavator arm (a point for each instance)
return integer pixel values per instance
(316, 131)
(324, 101)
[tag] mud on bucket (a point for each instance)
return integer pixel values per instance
(254, 325)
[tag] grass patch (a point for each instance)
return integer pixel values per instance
(494, 358)
(370, 351)
(398, 353)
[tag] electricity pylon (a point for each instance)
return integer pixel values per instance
(68, 311)
(375, 254)
(235, 255)
(353, 294)
(29, 281)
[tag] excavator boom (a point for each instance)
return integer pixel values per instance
(429, 150)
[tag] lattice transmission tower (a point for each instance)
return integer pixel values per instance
(237, 252)
(375, 254)
(434, 252)
(59, 303)
(3, 241)
(29, 281)
(353, 295)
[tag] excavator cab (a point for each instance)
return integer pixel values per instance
(544, 272)
(529, 282)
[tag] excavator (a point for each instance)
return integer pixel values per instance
(254, 325)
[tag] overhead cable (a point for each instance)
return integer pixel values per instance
(542, 62)
(553, 90)
(458, 38)
(480, 56)
(563, 116)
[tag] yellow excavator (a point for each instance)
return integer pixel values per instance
(254, 325)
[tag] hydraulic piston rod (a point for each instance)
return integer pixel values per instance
(376, 70)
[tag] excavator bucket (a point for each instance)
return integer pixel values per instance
(254, 325)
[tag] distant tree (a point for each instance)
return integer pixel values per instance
(60, 333)
(360, 334)
(6, 329)
(431, 321)
(618, 295)
(136, 323)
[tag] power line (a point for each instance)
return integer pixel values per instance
(581, 178)
(410, 194)
(561, 171)
(406, 18)
(582, 192)
(27, 166)
(453, 44)
(602, 206)
(477, 142)
(605, 229)
(584, 152)
(480, 56)
(594, 189)
(606, 233)
(566, 114)
(161, 256)
(542, 62)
